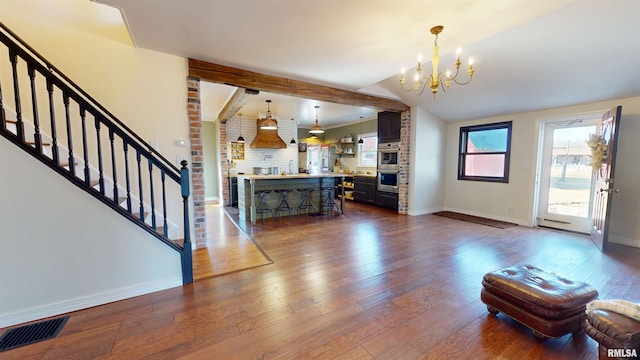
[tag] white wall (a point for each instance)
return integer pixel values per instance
(494, 199)
(61, 250)
(426, 186)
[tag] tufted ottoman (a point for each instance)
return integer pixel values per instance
(547, 303)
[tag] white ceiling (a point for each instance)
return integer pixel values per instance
(528, 54)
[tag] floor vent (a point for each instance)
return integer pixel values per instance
(31, 333)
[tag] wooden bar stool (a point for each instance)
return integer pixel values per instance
(263, 207)
(305, 203)
(284, 203)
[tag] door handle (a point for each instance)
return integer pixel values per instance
(612, 190)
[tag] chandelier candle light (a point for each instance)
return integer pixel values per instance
(434, 79)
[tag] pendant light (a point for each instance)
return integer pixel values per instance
(360, 141)
(316, 129)
(240, 138)
(293, 139)
(268, 123)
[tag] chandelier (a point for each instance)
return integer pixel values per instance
(268, 123)
(434, 80)
(316, 129)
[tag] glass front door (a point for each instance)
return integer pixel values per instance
(566, 182)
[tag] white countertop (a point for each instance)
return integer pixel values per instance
(291, 176)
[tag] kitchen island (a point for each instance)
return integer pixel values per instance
(249, 187)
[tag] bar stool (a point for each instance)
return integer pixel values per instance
(284, 204)
(263, 207)
(329, 203)
(305, 203)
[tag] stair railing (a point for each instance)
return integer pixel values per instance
(106, 144)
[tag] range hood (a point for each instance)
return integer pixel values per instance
(267, 139)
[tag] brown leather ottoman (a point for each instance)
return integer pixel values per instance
(618, 336)
(549, 304)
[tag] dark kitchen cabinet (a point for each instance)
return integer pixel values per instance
(389, 125)
(372, 189)
(387, 200)
(365, 189)
(233, 191)
(360, 188)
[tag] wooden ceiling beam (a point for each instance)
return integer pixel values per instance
(252, 80)
(239, 98)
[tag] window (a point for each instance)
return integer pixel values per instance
(484, 152)
(368, 150)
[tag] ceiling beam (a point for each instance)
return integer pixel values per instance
(239, 98)
(248, 79)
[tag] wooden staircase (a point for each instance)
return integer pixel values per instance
(111, 162)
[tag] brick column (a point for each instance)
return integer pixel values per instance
(197, 171)
(224, 165)
(404, 161)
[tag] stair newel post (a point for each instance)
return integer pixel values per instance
(126, 170)
(139, 160)
(113, 166)
(164, 205)
(187, 267)
(37, 137)
(152, 195)
(52, 117)
(100, 165)
(16, 91)
(72, 169)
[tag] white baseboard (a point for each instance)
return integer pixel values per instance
(624, 241)
(85, 302)
(422, 212)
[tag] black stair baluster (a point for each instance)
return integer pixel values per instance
(4, 118)
(153, 204)
(100, 168)
(85, 147)
(140, 184)
(126, 170)
(113, 167)
(52, 117)
(37, 137)
(72, 169)
(164, 205)
(16, 91)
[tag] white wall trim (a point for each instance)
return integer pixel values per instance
(423, 212)
(85, 302)
(624, 241)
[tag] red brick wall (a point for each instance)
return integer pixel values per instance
(197, 171)
(403, 174)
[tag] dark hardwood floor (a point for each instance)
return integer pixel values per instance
(369, 284)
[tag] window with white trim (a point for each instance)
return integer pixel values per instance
(368, 150)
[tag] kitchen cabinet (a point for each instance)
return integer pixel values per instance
(360, 188)
(372, 189)
(365, 189)
(389, 124)
(387, 200)
(233, 191)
